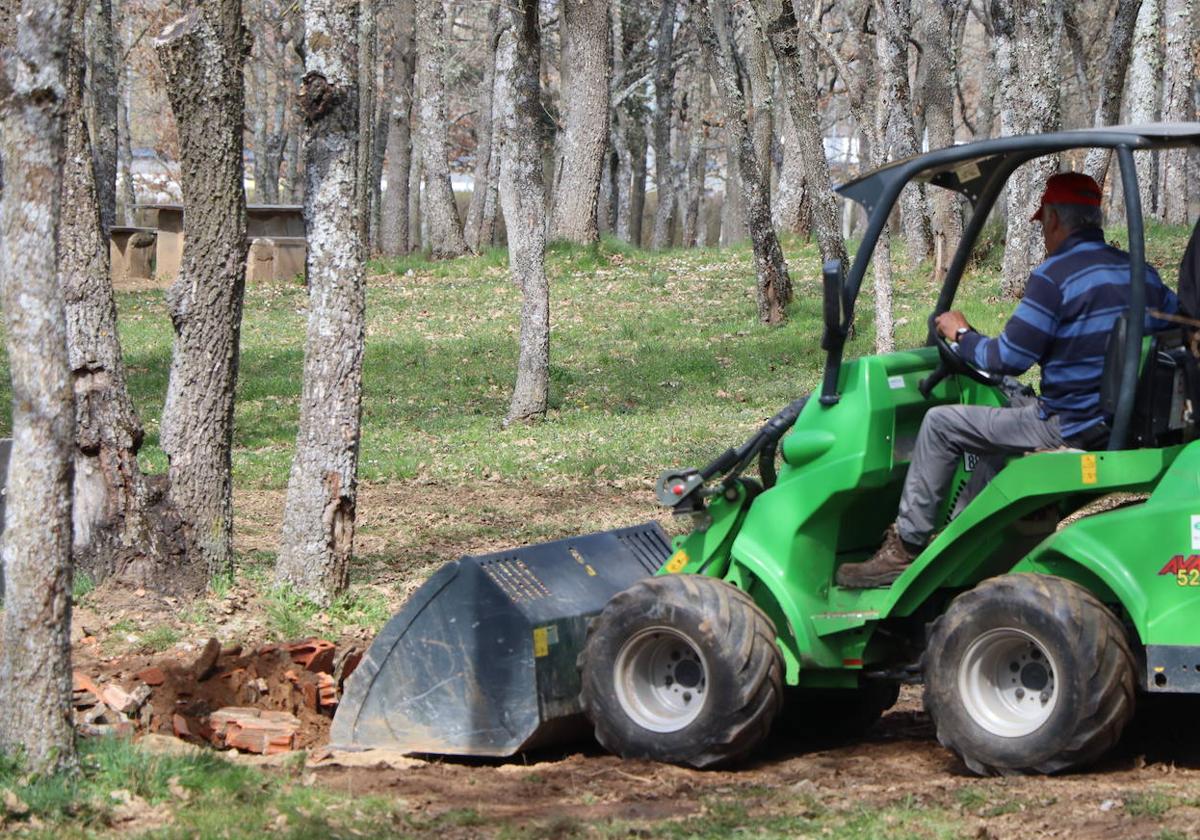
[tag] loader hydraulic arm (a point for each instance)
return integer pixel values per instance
(675, 487)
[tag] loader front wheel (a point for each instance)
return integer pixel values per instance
(682, 669)
(1028, 674)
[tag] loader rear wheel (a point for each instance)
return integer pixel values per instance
(1028, 674)
(683, 669)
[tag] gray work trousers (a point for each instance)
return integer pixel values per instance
(949, 432)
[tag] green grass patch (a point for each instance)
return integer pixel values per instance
(292, 616)
(160, 638)
(120, 787)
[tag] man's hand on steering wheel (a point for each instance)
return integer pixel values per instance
(949, 323)
(947, 329)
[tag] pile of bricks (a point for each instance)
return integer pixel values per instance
(314, 668)
(109, 710)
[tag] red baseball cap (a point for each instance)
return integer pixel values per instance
(1069, 188)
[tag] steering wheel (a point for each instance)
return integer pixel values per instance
(949, 361)
(955, 363)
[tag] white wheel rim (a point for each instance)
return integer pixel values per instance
(1008, 682)
(661, 679)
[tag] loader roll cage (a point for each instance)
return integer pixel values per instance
(979, 172)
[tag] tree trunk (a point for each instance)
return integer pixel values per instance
(664, 95)
(697, 132)
(35, 654)
(939, 81)
(122, 526)
(894, 29)
(393, 236)
(445, 232)
(637, 190)
(365, 61)
(1143, 97)
(1112, 83)
(623, 179)
(317, 538)
(474, 231)
(523, 197)
(774, 287)
(1029, 37)
(1177, 106)
(104, 90)
(798, 64)
(125, 190)
(201, 55)
(586, 79)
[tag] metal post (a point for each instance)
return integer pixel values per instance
(1137, 301)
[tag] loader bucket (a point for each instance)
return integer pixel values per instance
(481, 659)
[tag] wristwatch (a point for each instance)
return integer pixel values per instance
(960, 332)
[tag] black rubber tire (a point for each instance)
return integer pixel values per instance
(834, 715)
(1096, 674)
(744, 686)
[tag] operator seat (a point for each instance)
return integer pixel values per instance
(1168, 388)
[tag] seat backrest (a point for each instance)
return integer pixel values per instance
(1167, 388)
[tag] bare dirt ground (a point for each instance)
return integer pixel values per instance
(1149, 787)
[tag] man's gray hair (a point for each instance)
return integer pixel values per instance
(1076, 216)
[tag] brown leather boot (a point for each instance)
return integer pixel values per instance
(888, 563)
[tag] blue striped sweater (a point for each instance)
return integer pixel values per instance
(1062, 323)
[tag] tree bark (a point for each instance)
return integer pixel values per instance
(1113, 70)
(35, 655)
(894, 29)
(122, 525)
(664, 96)
(393, 237)
(1029, 38)
(477, 234)
(774, 286)
(697, 133)
(637, 191)
(1143, 97)
(317, 538)
(938, 83)
(445, 232)
(798, 64)
(623, 179)
(104, 90)
(523, 198)
(201, 55)
(1177, 106)
(365, 61)
(586, 68)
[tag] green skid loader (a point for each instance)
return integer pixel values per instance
(1034, 618)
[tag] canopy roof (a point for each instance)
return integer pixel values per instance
(968, 168)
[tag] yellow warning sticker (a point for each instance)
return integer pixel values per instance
(1087, 469)
(678, 560)
(541, 641)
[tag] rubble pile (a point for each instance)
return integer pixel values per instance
(277, 698)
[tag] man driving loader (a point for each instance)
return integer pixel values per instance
(1070, 305)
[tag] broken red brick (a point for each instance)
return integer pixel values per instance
(82, 682)
(115, 697)
(255, 730)
(314, 655)
(180, 724)
(151, 676)
(326, 690)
